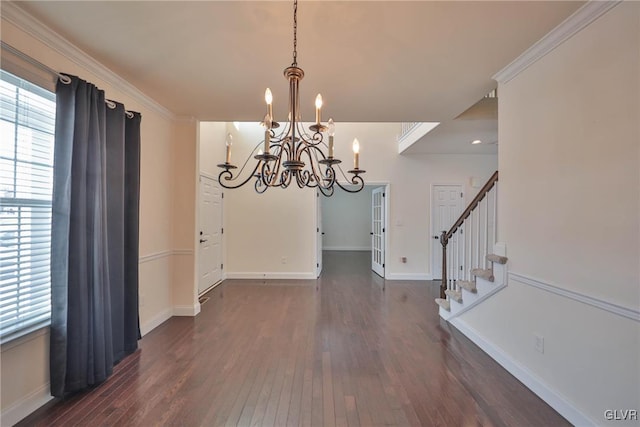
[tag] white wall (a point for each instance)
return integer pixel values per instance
(268, 235)
(211, 147)
(285, 219)
(346, 220)
(410, 178)
(569, 214)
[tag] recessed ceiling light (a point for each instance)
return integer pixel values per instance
(477, 141)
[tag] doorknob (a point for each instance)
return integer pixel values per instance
(371, 233)
(203, 240)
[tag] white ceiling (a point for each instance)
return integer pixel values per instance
(381, 61)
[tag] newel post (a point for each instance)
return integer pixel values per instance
(443, 285)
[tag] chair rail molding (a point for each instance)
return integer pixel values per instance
(628, 312)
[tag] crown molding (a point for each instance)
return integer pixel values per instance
(567, 29)
(35, 28)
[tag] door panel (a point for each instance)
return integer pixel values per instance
(446, 207)
(319, 234)
(378, 230)
(210, 246)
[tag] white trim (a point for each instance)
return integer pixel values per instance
(212, 287)
(25, 406)
(22, 339)
(156, 321)
(628, 312)
(35, 28)
(346, 248)
(478, 300)
(580, 19)
(210, 176)
(558, 402)
(163, 254)
(186, 310)
(414, 135)
(153, 256)
(408, 276)
(274, 275)
(182, 252)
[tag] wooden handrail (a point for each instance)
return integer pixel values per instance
(446, 235)
(481, 194)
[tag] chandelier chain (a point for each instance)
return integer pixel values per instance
(295, 33)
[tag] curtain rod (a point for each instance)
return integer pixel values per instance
(63, 77)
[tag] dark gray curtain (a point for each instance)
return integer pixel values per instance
(94, 239)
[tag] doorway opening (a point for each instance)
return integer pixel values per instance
(354, 222)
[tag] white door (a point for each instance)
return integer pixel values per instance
(319, 234)
(446, 207)
(210, 247)
(377, 230)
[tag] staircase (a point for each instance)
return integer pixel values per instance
(473, 263)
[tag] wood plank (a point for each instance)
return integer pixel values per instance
(336, 351)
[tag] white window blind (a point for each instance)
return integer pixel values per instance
(27, 122)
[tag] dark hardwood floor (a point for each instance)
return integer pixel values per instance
(337, 351)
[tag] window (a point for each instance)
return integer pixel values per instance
(27, 122)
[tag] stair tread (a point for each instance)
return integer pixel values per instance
(468, 285)
(486, 274)
(443, 303)
(454, 295)
(497, 258)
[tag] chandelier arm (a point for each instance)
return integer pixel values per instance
(312, 153)
(356, 180)
(227, 175)
(326, 192)
(260, 189)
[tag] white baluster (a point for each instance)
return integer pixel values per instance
(495, 213)
(486, 231)
(477, 238)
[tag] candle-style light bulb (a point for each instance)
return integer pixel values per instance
(268, 97)
(318, 108)
(356, 153)
(331, 130)
(267, 133)
(228, 142)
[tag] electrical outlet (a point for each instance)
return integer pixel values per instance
(539, 343)
(284, 260)
(403, 259)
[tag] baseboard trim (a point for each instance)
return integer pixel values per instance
(526, 377)
(628, 312)
(484, 296)
(407, 276)
(156, 321)
(186, 310)
(278, 276)
(25, 406)
(347, 248)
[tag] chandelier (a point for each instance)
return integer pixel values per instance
(294, 154)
